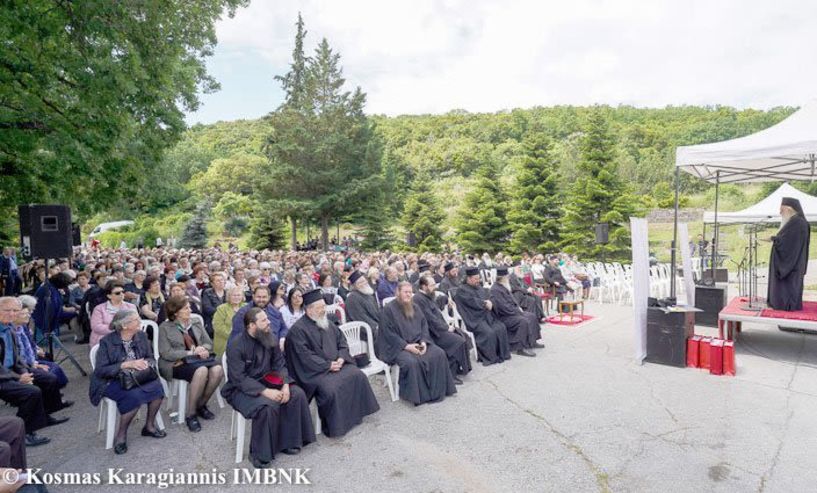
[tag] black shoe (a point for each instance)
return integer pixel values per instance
(205, 413)
(538, 345)
(155, 434)
(193, 424)
(120, 448)
(55, 421)
(292, 451)
(33, 440)
(259, 464)
(458, 381)
(525, 352)
(66, 404)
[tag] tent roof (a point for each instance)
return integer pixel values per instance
(786, 151)
(768, 209)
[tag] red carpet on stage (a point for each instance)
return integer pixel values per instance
(809, 312)
(566, 320)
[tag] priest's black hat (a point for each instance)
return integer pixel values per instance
(423, 266)
(448, 266)
(354, 276)
(312, 296)
(501, 271)
(471, 271)
(794, 204)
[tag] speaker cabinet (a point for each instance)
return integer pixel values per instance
(602, 233)
(45, 231)
(667, 335)
(710, 299)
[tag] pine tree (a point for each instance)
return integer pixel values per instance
(267, 231)
(422, 216)
(324, 155)
(598, 195)
(482, 224)
(535, 214)
(195, 231)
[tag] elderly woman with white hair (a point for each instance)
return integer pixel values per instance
(127, 350)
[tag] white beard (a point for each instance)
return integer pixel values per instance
(507, 284)
(322, 322)
(785, 218)
(367, 290)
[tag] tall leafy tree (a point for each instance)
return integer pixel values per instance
(482, 225)
(598, 195)
(536, 210)
(324, 157)
(423, 216)
(92, 93)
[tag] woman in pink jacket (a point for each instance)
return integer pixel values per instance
(104, 312)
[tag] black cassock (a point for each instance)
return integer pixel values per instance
(787, 265)
(523, 328)
(454, 344)
(344, 397)
(275, 426)
(423, 378)
(529, 302)
(490, 334)
(363, 308)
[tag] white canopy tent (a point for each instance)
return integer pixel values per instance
(768, 209)
(783, 152)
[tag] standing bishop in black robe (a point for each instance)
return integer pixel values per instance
(789, 258)
(361, 305)
(280, 416)
(318, 357)
(523, 328)
(475, 308)
(454, 344)
(424, 372)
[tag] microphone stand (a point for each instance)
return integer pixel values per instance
(754, 304)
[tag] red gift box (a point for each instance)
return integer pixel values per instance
(729, 358)
(693, 346)
(704, 353)
(716, 357)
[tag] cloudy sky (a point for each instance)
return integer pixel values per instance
(427, 56)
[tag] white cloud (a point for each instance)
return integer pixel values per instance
(485, 55)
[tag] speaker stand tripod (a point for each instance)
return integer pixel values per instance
(55, 342)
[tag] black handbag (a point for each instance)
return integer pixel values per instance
(129, 378)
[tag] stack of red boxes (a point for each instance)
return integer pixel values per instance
(711, 353)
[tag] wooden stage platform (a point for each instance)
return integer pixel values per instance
(731, 318)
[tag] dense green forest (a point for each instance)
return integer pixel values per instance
(222, 162)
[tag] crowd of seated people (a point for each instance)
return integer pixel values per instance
(265, 313)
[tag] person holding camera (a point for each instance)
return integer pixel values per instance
(186, 353)
(123, 373)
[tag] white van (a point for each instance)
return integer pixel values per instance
(108, 226)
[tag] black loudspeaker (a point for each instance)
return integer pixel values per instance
(45, 231)
(710, 299)
(667, 335)
(602, 233)
(76, 234)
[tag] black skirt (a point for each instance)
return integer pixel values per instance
(185, 371)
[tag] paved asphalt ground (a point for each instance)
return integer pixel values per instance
(581, 416)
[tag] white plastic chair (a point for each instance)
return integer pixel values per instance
(456, 321)
(338, 310)
(108, 413)
(352, 332)
(238, 423)
(388, 300)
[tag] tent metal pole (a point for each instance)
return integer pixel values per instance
(674, 235)
(715, 232)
